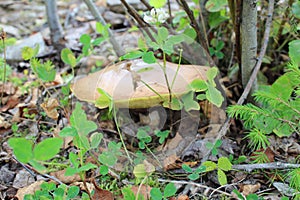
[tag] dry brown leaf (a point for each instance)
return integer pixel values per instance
(181, 197)
(49, 106)
(144, 190)
(10, 103)
(30, 189)
(102, 194)
(60, 175)
(250, 189)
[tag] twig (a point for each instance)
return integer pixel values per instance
(273, 165)
(241, 100)
(148, 6)
(92, 7)
(194, 184)
(138, 19)
(3, 37)
(196, 27)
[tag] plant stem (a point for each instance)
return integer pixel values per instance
(3, 36)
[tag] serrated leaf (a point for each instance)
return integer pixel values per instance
(22, 149)
(222, 177)
(214, 96)
(209, 166)
(170, 190)
(224, 164)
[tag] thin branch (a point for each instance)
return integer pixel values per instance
(148, 6)
(241, 100)
(196, 27)
(273, 165)
(138, 18)
(95, 12)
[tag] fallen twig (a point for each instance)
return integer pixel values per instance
(273, 165)
(241, 100)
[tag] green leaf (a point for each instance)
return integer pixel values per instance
(107, 158)
(22, 149)
(187, 168)
(162, 34)
(296, 9)
(47, 149)
(157, 3)
(170, 190)
(214, 96)
(198, 85)
(162, 135)
(87, 167)
(149, 57)
(209, 166)
(189, 35)
(194, 176)
(128, 193)
(27, 53)
(132, 55)
(71, 171)
(215, 5)
(222, 177)
(211, 74)
(174, 105)
(103, 169)
(37, 166)
(282, 88)
(73, 192)
(156, 194)
(105, 100)
(189, 103)
(85, 39)
(294, 51)
(68, 131)
(139, 171)
(68, 57)
(224, 164)
(79, 121)
(96, 139)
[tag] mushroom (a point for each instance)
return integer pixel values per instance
(136, 84)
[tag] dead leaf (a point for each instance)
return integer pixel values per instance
(101, 194)
(49, 106)
(143, 190)
(10, 103)
(30, 189)
(250, 189)
(181, 197)
(65, 179)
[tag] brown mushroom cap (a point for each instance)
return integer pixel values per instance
(126, 83)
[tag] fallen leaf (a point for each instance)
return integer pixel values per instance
(65, 179)
(30, 189)
(143, 190)
(101, 194)
(249, 189)
(49, 106)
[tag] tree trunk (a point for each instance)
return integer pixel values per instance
(56, 31)
(249, 40)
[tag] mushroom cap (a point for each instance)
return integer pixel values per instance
(131, 83)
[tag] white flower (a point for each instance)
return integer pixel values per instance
(156, 15)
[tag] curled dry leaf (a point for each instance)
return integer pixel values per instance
(120, 82)
(30, 189)
(49, 106)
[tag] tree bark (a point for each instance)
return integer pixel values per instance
(249, 41)
(56, 30)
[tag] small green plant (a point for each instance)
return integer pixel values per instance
(60, 192)
(168, 191)
(223, 165)
(35, 155)
(248, 197)
(214, 147)
(279, 111)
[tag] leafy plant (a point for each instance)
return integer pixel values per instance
(214, 147)
(223, 165)
(60, 192)
(278, 113)
(35, 155)
(168, 191)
